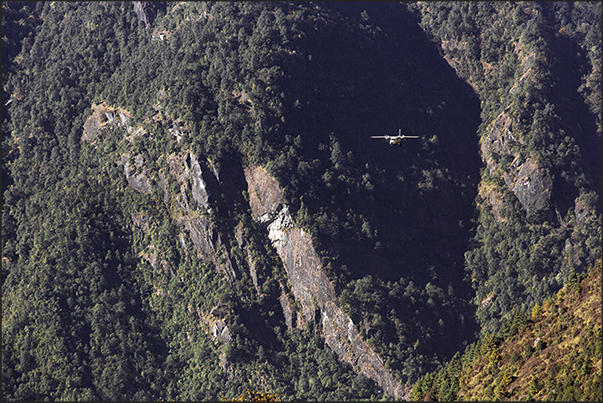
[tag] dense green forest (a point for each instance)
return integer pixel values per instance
(112, 109)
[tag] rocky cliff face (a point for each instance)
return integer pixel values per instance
(535, 146)
(184, 169)
(185, 182)
(532, 188)
(104, 116)
(501, 141)
(531, 184)
(309, 283)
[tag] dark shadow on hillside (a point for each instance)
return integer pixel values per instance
(375, 80)
(581, 126)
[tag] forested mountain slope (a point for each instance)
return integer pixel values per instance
(537, 70)
(193, 205)
(552, 353)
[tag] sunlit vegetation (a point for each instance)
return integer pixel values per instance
(104, 296)
(531, 358)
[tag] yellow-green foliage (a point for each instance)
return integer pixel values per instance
(556, 356)
(257, 396)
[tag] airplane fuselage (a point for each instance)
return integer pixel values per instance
(395, 140)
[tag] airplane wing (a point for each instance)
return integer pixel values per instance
(410, 137)
(379, 137)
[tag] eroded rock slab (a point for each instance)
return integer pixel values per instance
(102, 115)
(532, 188)
(136, 175)
(525, 179)
(199, 187)
(207, 243)
(265, 194)
(309, 283)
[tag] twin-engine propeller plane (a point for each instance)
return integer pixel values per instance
(393, 140)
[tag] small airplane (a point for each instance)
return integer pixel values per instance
(393, 140)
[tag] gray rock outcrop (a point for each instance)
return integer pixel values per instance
(179, 169)
(221, 332)
(136, 175)
(140, 13)
(265, 194)
(199, 187)
(288, 310)
(91, 127)
(309, 283)
(208, 244)
(525, 179)
(102, 115)
(533, 189)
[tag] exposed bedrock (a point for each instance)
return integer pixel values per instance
(310, 285)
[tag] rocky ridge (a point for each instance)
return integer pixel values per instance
(310, 285)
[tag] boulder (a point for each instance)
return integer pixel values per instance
(533, 189)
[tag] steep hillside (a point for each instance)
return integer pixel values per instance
(133, 240)
(193, 205)
(537, 70)
(554, 353)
